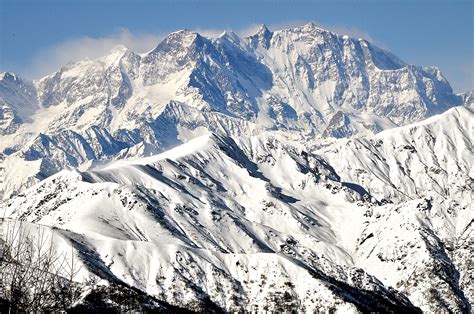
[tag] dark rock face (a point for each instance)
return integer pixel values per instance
(338, 126)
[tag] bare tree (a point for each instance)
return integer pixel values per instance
(34, 276)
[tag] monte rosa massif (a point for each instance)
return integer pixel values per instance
(291, 170)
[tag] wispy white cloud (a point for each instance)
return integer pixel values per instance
(54, 57)
(209, 32)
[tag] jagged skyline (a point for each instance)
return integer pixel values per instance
(289, 169)
(443, 37)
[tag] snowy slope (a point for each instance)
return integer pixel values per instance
(305, 82)
(425, 169)
(17, 102)
(260, 221)
(431, 158)
(467, 98)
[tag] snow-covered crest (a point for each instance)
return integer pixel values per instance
(305, 81)
(215, 205)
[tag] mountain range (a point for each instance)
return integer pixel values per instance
(295, 168)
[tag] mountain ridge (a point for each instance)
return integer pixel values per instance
(216, 202)
(305, 81)
(294, 169)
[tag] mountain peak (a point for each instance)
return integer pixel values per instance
(312, 27)
(263, 29)
(174, 42)
(262, 37)
(184, 33)
(8, 76)
(230, 35)
(120, 49)
(184, 37)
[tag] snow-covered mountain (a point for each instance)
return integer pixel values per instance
(305, 81)
(291, 169)
(467, 98)
(259, 222)
(17, 102)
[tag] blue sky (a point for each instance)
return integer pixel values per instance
(37, 37)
